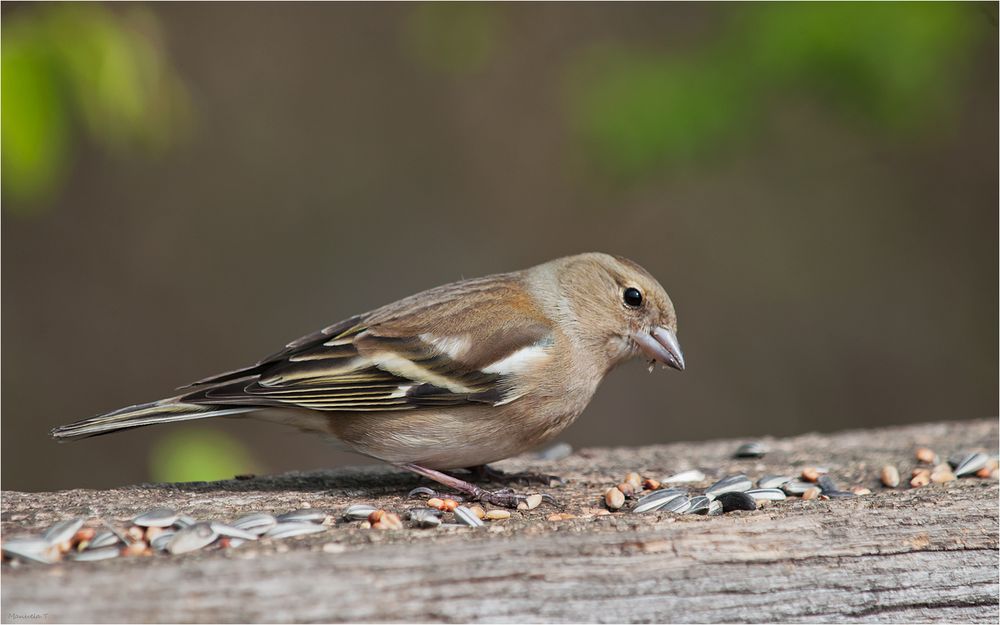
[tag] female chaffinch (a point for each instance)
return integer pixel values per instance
(454, 377)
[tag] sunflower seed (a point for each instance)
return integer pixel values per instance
(736, 500)
(731, 484)
(62, 531)
(714, 507)
(421, 492)
(753, 449)
(232, 532)
(161, 541)
(305, 515)
(468, 517)
(555, 452)
(657, 498)
(890, 476)
(359, 511)
(192, 538)
(104, 539)
(796, 487)
(699, 505)
(838, 494)
(157, 517)
(184, 521)
(425, 517)
(970, 463)
(773, 481)
(292, 529)
(767, 494)
(256, 523)
(92, 555)
(692, 475)
(826, 484)
(31, 548)
(677, 505)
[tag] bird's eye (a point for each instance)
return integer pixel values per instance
(632, 297)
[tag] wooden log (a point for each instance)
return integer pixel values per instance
(904, 555)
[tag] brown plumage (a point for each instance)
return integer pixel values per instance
(457, 376)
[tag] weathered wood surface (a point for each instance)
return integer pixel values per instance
(928, 554)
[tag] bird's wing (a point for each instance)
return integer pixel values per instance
(442, 347)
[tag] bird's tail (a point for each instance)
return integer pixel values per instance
(163, 411)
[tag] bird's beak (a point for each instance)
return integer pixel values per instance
(660, 344)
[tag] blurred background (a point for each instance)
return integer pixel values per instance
(186, 187)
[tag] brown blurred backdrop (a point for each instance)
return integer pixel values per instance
(818, 196)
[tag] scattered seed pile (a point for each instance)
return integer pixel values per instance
(165, 532)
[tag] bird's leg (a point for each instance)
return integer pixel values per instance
(486, 473)
(504, 497)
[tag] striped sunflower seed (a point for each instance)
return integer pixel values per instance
(656, 499)
(93, 555)
(468, 517)
(232, 532)
(700, 504)
(103, 539)
(773, 481)
(714, 507)
(31, 548)
(160, 542)
(969, 463)
(730, 484)
(157, 517)
(256, 523)
(192, 538)
(305, 515)
(359, 511)
(292, 529)
(767, 494)
(796, 487)
(753, 449)
(62, 531)
(677, 505)
(736, 500)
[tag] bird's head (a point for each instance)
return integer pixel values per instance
(617, 306)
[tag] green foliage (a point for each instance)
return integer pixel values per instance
(885, 64)
(199, 454)
(69, 65)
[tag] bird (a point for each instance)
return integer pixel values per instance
(455, 377)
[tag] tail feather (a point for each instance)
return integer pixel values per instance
(163, 411)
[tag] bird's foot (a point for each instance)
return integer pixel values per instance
(504, 497)
(486, 473)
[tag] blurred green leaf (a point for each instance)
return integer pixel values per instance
(199, 454)
(891, 64)
(102, 68)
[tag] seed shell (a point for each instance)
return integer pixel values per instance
(292, 529)
(677, 505)
(31, 548)
(700, 504)
(157, 517)
(715, 507)
(970, 463)
(767, 494)
(93, 555)
(468, 517)
(162, 540)
(192, 538)
(304, 515)
(103, 539)
(753, 449)
(773, 481)
(232, 532)
(730, 484)
(62, 531)
(796, 487)
(736, 500)
(826, 484)
(425, 517)
(656, 499)
(256, 523)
